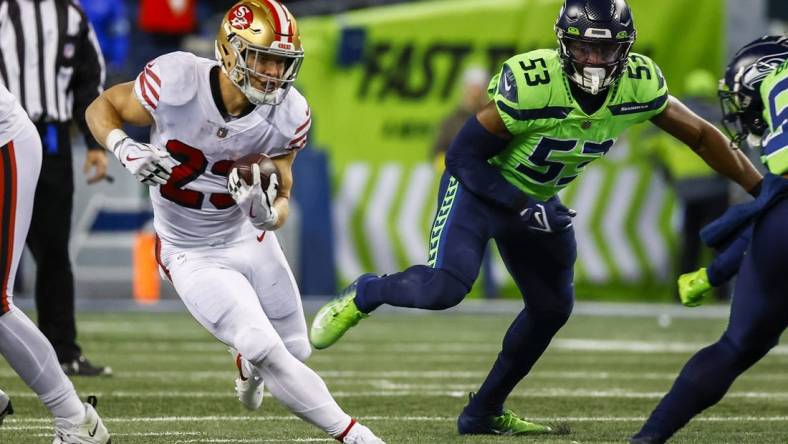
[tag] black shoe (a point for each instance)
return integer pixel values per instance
(82, 367)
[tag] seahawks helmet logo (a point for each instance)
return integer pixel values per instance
(758, 71)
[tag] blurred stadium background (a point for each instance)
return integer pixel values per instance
(381, 77)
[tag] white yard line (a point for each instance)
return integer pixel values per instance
(141, 434)
(11, 421)
(372, 377)
(566, 344)
(403, 390)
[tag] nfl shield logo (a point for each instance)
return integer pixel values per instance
(221, 133)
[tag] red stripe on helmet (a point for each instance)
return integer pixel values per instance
(275, 14)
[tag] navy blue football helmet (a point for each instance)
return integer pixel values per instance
(739, 92)
(594, 38)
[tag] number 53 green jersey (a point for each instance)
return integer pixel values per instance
(554, 139)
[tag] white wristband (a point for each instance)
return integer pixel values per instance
(114, 138)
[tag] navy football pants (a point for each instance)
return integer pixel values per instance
(540, 263)
(759, 315)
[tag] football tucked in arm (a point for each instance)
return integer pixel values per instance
(244, 165)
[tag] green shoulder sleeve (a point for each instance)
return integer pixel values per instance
(522, 90)
(774, 92)
(644, 91)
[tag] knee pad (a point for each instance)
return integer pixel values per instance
(299, 348)
(255, 344)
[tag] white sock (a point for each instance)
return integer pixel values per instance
(302, 391)
(34, 360)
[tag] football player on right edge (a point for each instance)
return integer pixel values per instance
(215, 231)
(553, 111)
(754, 96)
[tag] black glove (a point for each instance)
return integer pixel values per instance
(550, 216)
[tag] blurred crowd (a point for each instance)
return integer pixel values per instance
(132, 32)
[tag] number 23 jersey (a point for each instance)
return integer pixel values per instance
(553, 138)
(194, 208)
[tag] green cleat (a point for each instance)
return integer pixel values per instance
(507, 424)
(336, 317)
(511, 424)
(693, 287)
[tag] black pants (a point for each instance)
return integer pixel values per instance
(759, 316)
(48, 239)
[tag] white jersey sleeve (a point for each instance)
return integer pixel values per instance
(293, 119)
(167, 82)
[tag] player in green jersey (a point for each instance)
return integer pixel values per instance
(552, 113)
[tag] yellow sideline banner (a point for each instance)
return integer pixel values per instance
(380, 81)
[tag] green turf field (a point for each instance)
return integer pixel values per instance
(407, 377)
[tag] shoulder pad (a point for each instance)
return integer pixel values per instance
(774, 93)
(170, 79)
(648, 83)
(525, 89)
(294, 119)
(532, 72)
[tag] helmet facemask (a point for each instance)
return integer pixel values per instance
(261, 88)
(742, 106)
(593, 64)
(741, 117)
(259, 48)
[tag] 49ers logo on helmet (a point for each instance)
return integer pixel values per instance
(240, 17)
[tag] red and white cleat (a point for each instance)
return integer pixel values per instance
(357, 433)
(248, 384)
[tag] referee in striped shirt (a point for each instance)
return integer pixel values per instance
(51, 61)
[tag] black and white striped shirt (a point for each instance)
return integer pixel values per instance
(50, 59)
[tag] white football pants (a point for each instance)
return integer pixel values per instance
(244, 293)
(21, 343)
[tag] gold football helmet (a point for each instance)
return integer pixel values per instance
(255, 34)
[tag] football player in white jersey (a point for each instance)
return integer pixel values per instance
(215, 231)
(22, 344)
